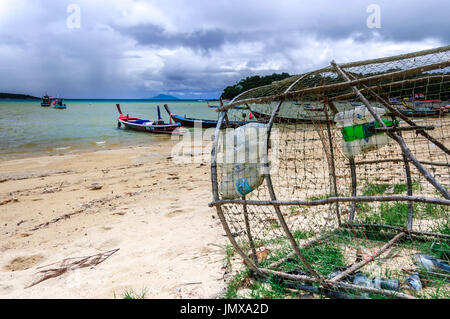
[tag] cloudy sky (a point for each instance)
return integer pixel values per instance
(194, 48)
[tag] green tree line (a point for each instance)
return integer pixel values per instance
(251, 82)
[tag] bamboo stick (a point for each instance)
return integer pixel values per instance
(414, 232)
(249, 234)
(378, 161)
(364, 262)
(404, 128)
(329, 200)
(398, 160)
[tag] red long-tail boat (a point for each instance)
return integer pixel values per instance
(141, 125)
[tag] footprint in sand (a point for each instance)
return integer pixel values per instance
(175, 212)
(109, 244)
(23, 262)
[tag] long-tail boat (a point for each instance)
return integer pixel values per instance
(192, 122)
(141, 125)
(46, 101)
(59, 104)
(238, 107)
(292, 120)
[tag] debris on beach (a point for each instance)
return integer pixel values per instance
(412, 283)
(261, 255)
(431, 264)
(95, 186)
(12, 200)
(69, 264)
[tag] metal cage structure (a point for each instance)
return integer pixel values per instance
(326, 215)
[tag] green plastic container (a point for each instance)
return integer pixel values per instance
(358, 132)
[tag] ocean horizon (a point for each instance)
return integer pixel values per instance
(27, 129)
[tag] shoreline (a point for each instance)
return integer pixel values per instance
(135, 199)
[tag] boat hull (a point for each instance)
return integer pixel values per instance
(419, 113)
(135, 125)
(190, 122)
(288, 120)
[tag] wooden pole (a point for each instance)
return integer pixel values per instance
(249, 234)
(364, 262)
(414, 232)
(325, 201)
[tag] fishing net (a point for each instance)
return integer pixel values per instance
(341, 178)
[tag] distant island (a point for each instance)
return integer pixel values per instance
(18, 96)
(164, 97)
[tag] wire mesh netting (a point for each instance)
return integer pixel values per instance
(341, 177)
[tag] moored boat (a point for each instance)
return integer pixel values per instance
(238, 107)
(192, 122)
(59, 104)
(46, 101)
(304, 119)
(420, 112)
(141, 125)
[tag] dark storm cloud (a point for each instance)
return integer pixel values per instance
(142, 48)
(154, 35)
(400, 21)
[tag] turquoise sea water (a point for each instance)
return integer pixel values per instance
(27, 129)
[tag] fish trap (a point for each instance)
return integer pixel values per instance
(339, 182)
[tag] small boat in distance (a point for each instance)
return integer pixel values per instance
(301, 119)
(423, 108)
(59, 104)
(421, 112)
(238, 107)
(46, 101)
(141, 125)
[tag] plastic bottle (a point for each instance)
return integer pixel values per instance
(383, 283)
(412, 283)
(358, 130)
(358, 115)
(241, 182)
(353, 148)
(242, 162)
(361, 280)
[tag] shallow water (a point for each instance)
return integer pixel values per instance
(27, 129)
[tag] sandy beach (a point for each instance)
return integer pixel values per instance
(170, 243)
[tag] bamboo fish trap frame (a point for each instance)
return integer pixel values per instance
(322, 216)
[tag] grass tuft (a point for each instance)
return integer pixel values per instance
(131, 294)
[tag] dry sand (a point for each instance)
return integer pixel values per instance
(171, 244)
